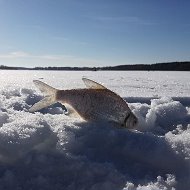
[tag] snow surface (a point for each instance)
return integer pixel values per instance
(50, 150)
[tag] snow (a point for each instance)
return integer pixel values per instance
(50, 150)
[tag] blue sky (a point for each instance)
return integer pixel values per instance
(93, 32)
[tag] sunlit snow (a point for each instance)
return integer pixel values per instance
(50, 150)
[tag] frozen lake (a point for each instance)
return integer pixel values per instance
(125, 83)
(49, 150)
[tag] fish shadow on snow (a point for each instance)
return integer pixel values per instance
(133, 156)
(95, 156)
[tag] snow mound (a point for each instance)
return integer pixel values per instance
(162, 115)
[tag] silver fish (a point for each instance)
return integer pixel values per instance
(93, 103)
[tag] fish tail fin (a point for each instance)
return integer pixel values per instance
(49, 99)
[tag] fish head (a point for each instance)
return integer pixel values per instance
(131, 121)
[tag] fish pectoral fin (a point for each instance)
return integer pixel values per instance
(92, 84)
(71, 111)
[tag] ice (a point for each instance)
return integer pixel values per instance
(51, 150)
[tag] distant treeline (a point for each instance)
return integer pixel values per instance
(169, 66)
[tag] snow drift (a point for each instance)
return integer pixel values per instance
(49, 150)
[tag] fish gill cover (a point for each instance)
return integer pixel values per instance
(49, 150)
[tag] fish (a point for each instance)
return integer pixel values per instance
(94, 103)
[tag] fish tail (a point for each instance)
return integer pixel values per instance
(49, 99)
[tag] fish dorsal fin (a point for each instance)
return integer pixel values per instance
(92, 84)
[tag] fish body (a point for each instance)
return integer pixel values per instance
(93, 103)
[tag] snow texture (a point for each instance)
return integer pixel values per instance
(50, 150)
